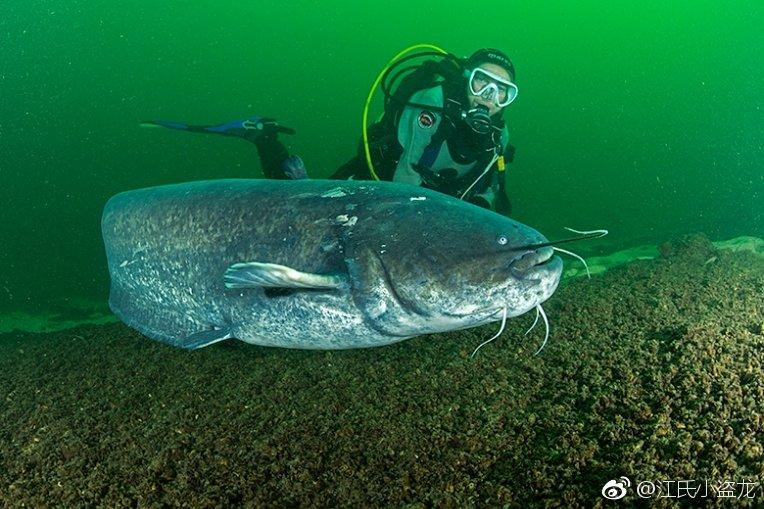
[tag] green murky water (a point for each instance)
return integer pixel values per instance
(641, 117)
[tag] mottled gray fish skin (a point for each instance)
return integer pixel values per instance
(403, 261)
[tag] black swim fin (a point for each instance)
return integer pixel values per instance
(248, 128)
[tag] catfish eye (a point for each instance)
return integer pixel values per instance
(502, 240)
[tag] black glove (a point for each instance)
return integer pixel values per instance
(502, 205)
(480, 202)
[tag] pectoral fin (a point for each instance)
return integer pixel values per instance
(271, 275)
(205, 338)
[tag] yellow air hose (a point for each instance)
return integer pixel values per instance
(371, 94)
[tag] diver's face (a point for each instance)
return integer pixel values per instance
(476, 100)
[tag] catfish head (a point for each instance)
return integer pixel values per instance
(439, 264)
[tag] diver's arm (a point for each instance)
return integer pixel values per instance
(496, 194)
(486, 197)
(501, 203)
(494, 197)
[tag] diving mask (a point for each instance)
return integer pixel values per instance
(492, 87)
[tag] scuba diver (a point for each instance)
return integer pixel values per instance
(442, 128)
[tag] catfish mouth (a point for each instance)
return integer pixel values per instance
(535, 262)
(531, 259)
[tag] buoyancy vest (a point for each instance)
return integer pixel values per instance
(427, 156)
